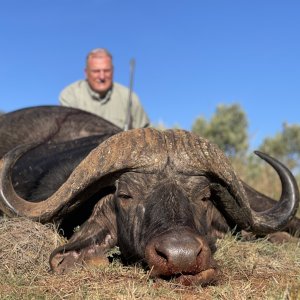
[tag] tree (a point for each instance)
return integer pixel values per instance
(285, 145)
(227, 128)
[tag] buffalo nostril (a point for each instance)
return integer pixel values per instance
(199, 252)
(161, 255)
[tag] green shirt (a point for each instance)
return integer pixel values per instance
(113, 107)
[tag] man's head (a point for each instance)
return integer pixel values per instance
(99, 70)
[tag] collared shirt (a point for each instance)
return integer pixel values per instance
(113, 107)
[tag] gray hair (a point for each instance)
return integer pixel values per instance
(98, 52)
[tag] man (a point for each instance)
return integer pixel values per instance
(98, 93)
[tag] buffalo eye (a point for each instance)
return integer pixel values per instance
(123, 193)
(123, 196)
(124, 200)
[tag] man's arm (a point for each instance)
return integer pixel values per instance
(65, 96)
(69, 95)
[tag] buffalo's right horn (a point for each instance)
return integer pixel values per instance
(121, 152)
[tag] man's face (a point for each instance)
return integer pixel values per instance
(99, 73)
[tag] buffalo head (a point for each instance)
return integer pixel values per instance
(166, 193)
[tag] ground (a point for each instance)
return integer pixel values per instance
(248, 270)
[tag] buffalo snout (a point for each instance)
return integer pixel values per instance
(181, 254)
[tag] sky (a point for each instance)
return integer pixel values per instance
(191, 56)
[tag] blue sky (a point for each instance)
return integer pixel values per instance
(190, 55)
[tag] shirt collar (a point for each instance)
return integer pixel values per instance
(97, 97)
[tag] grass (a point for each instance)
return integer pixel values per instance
(248, 270)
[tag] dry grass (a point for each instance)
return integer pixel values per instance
(25, 245)
(249, 270)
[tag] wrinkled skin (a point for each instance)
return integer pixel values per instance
(168, 227)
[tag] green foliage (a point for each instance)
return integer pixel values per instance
(285, 145)
(227, 128)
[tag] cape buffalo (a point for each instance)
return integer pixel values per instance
(161, 196)
(49, 124)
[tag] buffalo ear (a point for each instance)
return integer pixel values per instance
(62, 262)
(90, 244)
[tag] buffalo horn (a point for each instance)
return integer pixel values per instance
(150, 151)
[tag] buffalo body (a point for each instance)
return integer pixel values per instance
(162, 197)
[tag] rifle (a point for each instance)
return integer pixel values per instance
(128, 120)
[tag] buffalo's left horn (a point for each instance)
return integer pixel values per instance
(197, 156)
(280, 214)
